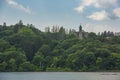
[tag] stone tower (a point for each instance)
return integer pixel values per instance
(80, 28)
(81, 33)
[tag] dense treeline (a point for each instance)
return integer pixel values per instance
(25, 48)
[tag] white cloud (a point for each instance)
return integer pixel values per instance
(96, 4)
(109, 9)
(99, 15)
(105, 3)
(83, 5)
(80, 9)
(116, 11)
(18, 6)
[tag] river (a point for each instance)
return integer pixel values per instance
(59, 76)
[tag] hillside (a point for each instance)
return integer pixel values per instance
(25, 48)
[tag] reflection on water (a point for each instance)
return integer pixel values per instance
(59, 76)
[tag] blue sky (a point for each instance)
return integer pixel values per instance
(94, 15)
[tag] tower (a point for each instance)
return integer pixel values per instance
(4, 26)
(80, 28)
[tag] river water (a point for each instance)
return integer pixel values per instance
(59, 76)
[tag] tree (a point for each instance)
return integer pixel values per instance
(89, 59)
(25, 48)
(27, 67)
(55, 29)
(92, 36)
(62, 33)
(4, 45)
(45, 50)
(26, 31)
(103, 53)
(27, 42)
(16, 28)
(47, 29)
(112, 62)
(17, 55)
(70, 36)
(38, 60)
(57, 52)
(99, 62)
(48, 61)
(3, 66)
(12, 65)
(20, 23)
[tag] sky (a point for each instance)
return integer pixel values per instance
(93, 15)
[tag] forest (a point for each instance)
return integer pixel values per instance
(24, 48)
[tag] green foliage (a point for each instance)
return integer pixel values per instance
(37, 60)
(25, 48)
(17, 55)
(45, 50)
(26, 31)
(4, 45)
(3, 66)
(92, 35)
(12, 65)
(27, 67)
(102, 52)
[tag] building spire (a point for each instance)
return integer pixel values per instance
(80, 28)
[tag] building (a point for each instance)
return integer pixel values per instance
(81, 33)
(117, 34)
